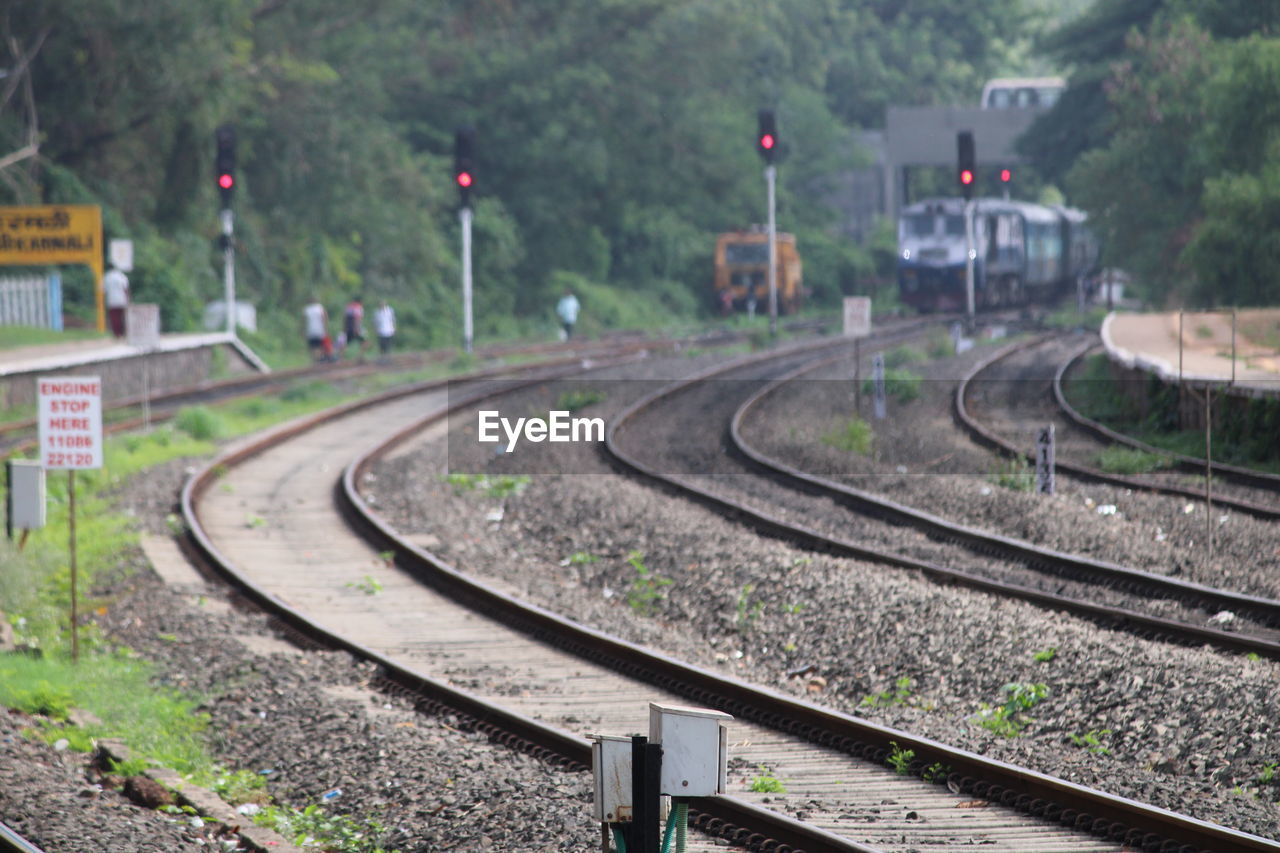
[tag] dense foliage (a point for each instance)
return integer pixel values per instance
(614, 139)
(1170, 135)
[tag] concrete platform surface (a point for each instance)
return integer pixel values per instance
(33, 359)
(1151, 342)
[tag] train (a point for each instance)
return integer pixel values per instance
(1016, 93)
(741, 280)
(1023, 253)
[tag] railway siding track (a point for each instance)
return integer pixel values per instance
(307, 580)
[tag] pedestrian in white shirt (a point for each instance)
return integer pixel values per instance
(115, 292)
(384, 326)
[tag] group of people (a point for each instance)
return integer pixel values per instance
(324, 348)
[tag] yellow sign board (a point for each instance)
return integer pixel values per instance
(54, 234)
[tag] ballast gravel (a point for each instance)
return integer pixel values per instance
(1188, 729)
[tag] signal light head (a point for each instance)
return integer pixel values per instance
(767, 141)
(1006, 175)
(464, 179)
(966, 177)
(226, 181)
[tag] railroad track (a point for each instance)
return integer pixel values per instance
(1264, 484)
(1253, 493)
(12, 842)
(568, 682)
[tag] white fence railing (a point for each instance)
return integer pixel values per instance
(31, 301)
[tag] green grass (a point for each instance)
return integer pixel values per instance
(1016, 474)
(901, 384)
(27, 336)
(1118, 459)
(160, 725)
(854, 437)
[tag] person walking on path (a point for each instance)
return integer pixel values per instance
(115, 291)
(567, 309)
(384, 326)
(315, 327)
(353, 325)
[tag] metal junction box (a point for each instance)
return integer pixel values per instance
(694, 749)
(611, 767)
(24, 495)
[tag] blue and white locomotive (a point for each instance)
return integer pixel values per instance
(1022, 253)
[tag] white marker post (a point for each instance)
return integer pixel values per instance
(1045, 461)
(69, 409)
(857, 325)
(877, 381)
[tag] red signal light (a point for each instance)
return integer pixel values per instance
(767, 141)
(966, 177)
(1006, 175)
(464, 179)
(226, 181)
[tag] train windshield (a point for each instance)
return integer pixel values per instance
(918, 225)
(955, 225)
(746, 254)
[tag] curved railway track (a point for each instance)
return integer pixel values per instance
(536, 678)
(1141, 601)
(1254, 493)
(1268, 484)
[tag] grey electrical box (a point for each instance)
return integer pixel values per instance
(24, 495)
(694, 749)
(611, 767)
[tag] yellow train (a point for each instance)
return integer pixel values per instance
(741, 272)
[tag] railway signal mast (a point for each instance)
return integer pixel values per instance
(966, 174)
(767, 144)
(464, 177)
(225, 166)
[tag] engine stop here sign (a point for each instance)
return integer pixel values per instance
(70, 421)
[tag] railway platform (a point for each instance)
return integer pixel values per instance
(1149, 343)
(174, 360)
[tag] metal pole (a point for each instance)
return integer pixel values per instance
(1208, 463)
(467, 330)
(771, 180)
(229, 270)
(1233, 347)
(1179, 368)
(968, 261)
(71, 525)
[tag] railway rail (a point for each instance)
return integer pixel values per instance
(1251, 492)
(12, 842)
(1267, 482)
(535, 685)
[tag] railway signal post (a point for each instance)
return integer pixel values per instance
(463, 142)
(767, 144)
(967, 173)
(225, 137)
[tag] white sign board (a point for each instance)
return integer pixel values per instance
(121, 254)
(857, 316)
(69, 409)
(142, 325)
